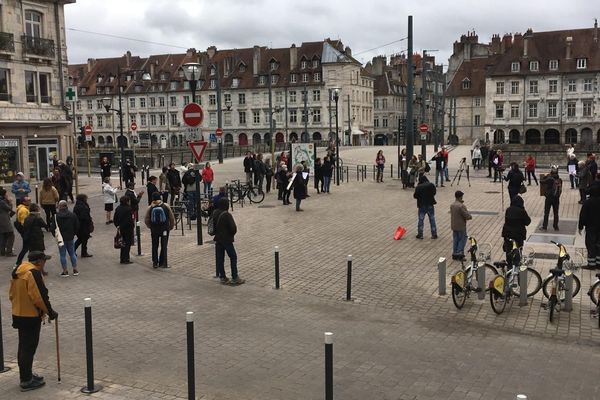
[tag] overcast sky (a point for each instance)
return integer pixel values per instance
(360, 24)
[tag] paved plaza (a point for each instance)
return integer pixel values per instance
(397, 339)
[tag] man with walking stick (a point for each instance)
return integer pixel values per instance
(30, 304)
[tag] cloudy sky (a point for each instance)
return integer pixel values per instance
(362, 25)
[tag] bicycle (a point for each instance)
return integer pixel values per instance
(507, 284)
(594, 294)
(462, 281)
(554, 286)
(243, 191)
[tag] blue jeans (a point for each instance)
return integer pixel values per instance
(440, 173)
(446, 173)
(220, 249)
(69, 247)
(326, 183)
(459, 240)
(207, 189)
(429, 211)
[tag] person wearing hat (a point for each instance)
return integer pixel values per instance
(30, 304)
(20, 188)
(552, 191)
(459, 215)
(160, 220)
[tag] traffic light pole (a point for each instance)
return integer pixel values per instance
(423, 104)
(219, 116)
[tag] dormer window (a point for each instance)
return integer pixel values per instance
(466, 83)
(213, 84)
(262, 80)
(304, 78)
(581, 63)
(293, 78)
(273, 65)
(235, 82)
(553, 65)
(242, 68)
(98, 78)
(274, 79)
(162, 77)
(111, 78)
(213, 71)
(534, 66)
(515, 67)
(304, 64)
(315, 64)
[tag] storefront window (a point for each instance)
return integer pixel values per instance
(41, 152)
(9, 159)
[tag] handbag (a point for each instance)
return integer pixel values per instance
(119, 243)
(211, 225)
(522, 188)
(57, 235)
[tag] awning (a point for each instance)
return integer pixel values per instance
(356, 131)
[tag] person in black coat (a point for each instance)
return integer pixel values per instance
(283, 179)
(134, 199)
(326, 172)
(151, 188)
(225, 230)
(589, 218)
(174, 180)
(318, 175)
(514, 178)
(299, 185)
(425, 195)
(33, 229)
(123, 220)
(248, 167)
(516, 220)
(86, 224)
(105, 167)
(129, 171)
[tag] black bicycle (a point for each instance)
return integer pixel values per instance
(241, 191)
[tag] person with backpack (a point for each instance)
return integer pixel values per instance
(225, 230)
(160, 220)
(33, 229)
(552, 191)
(189, 188)
(515, 179)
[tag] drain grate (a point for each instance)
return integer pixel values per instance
(484, 212)
(266, 206)
(546, 238)
(491, 192)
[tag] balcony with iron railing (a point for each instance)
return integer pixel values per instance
(38, 47)
(7, 42)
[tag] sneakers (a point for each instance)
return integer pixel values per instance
(419, 237)
(31, 385)
(36, 377)
(75, 272)
(237, 281)
(64, 274)
(224, 281)
(154, 265)
(86, 255)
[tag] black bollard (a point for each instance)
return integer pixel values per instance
(363, 172)
(198, 213)
(89, 350)
(37, 194)
(143, 172)
(349, 279)
(138, 234)
(191, 367)
(328, 366)
(120, 178)
(3, 368)
(276, 267)
(357, 172)
(347, 174)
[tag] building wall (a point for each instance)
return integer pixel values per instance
(460, 114)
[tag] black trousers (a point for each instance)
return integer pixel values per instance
(125, 253)
(29, 337)
(269, 178)
(82, 241)
(591, 244)
(163, 240)
(50, 210)
(548, 203)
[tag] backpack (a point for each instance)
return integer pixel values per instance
(212, 225)
(427, 167)
(158, 216)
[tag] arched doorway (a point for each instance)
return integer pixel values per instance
(228, 139)
(316, 136)
(279, 137)
(243, 139)
(380, 139)
(305, 137)
(154, 140)
(268, 138)
(498, 136)
(174, 141)
(587, 136)
(571, 136)
(256, 138)
(163, 141)
(514, 137)
(293, 137)
(551, 136)
(100, 141)
(109, 141)
(181, 140)
(533, 136)
(122, 141)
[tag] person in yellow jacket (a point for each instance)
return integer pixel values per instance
(30, 304)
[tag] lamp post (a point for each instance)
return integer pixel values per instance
(336, 98)
(191, 72)
(305, 99)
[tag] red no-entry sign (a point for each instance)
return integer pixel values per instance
(423, 128)
(219, 132)
(192, 114)
(88, 130)
(133, 126)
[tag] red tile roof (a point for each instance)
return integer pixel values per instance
(473, 70)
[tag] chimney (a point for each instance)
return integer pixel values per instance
(256, 61)
(495, 45)
(293, 57)
(211, 51)
(526, 39)
(90, 64)
(152, 70)
(348, 51)
(596, 30)
(379, 63)
(569, 40)
(506, 43)
(128, 59)
(190, 52)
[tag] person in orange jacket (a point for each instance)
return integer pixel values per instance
(208, 176)
(30, 304)
(530, 169)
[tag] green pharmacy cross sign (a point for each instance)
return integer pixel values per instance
(71, 94)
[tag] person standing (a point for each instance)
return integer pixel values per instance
(327, 172)
(589, 218)
(446, 155)
(22, 214)
(515, 225)
(20, 188)
(425, 195)
(584, 180)
(380, 165)
(259, 172)
(109, 195)
(124, 222)
(105, 167)
(439, 167)
(476, 157)
(459, 215)
(66, 174)
(48, 199)
(174, 182)
(498, 165)
(592, 166)
(129, 172)
(189, 187)
(33, 229)
(163, 184)
(86, 224)
(134, 199)
(572, 166)
(412, 171)
(318, 175)
(208, 176)
(248, 167)
(68, 224)
(515, 179)
(283, 179)
(552, 191)
(56, 181)
(30, 304)
(299, 185)
(268, 175)
(160, 220)
(530, 169)
(484, 155)
(491, 159)
(421, 165)
(7, 234)
(151, 188)
(225, 230)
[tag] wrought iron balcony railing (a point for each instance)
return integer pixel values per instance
(7, 42)
(38, 46)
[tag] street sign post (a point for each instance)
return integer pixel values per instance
(133, 126)
(423, 128)
(88, 133)
(219, 132)
(198, 148)
(193, 115)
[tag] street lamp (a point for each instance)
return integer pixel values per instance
(107, 103)
(191, 71)
(336, 98)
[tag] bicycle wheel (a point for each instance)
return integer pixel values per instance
(498, 297)
(551, 307)
(235, 195)
(595, 292)
(459, 292)
(548, 280)
(490, 271)
(534, 283)
(255, 196)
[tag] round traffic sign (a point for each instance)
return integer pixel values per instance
(133, 126)
(423, 127)
(219, 132)
(192, 114)
(88, 130)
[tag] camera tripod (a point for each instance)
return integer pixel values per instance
(462, 167)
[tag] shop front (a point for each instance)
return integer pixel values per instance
(9, 160)
(41, 153)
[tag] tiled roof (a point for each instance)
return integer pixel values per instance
(473, 70)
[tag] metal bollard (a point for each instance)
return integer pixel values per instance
(357, 169)
(349, 279)
(89, 350)
(138, 234)
(191, 365)
(276, 267)
(363, 172)
(523, 286)
(328, 366)
(568, 291)
(374, 171)
(391, 170)
(442, 276)
(3, 368)
(481, 282)
(347, 174)
(37, 194)
(143, 171)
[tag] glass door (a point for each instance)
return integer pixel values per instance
(40, 159)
